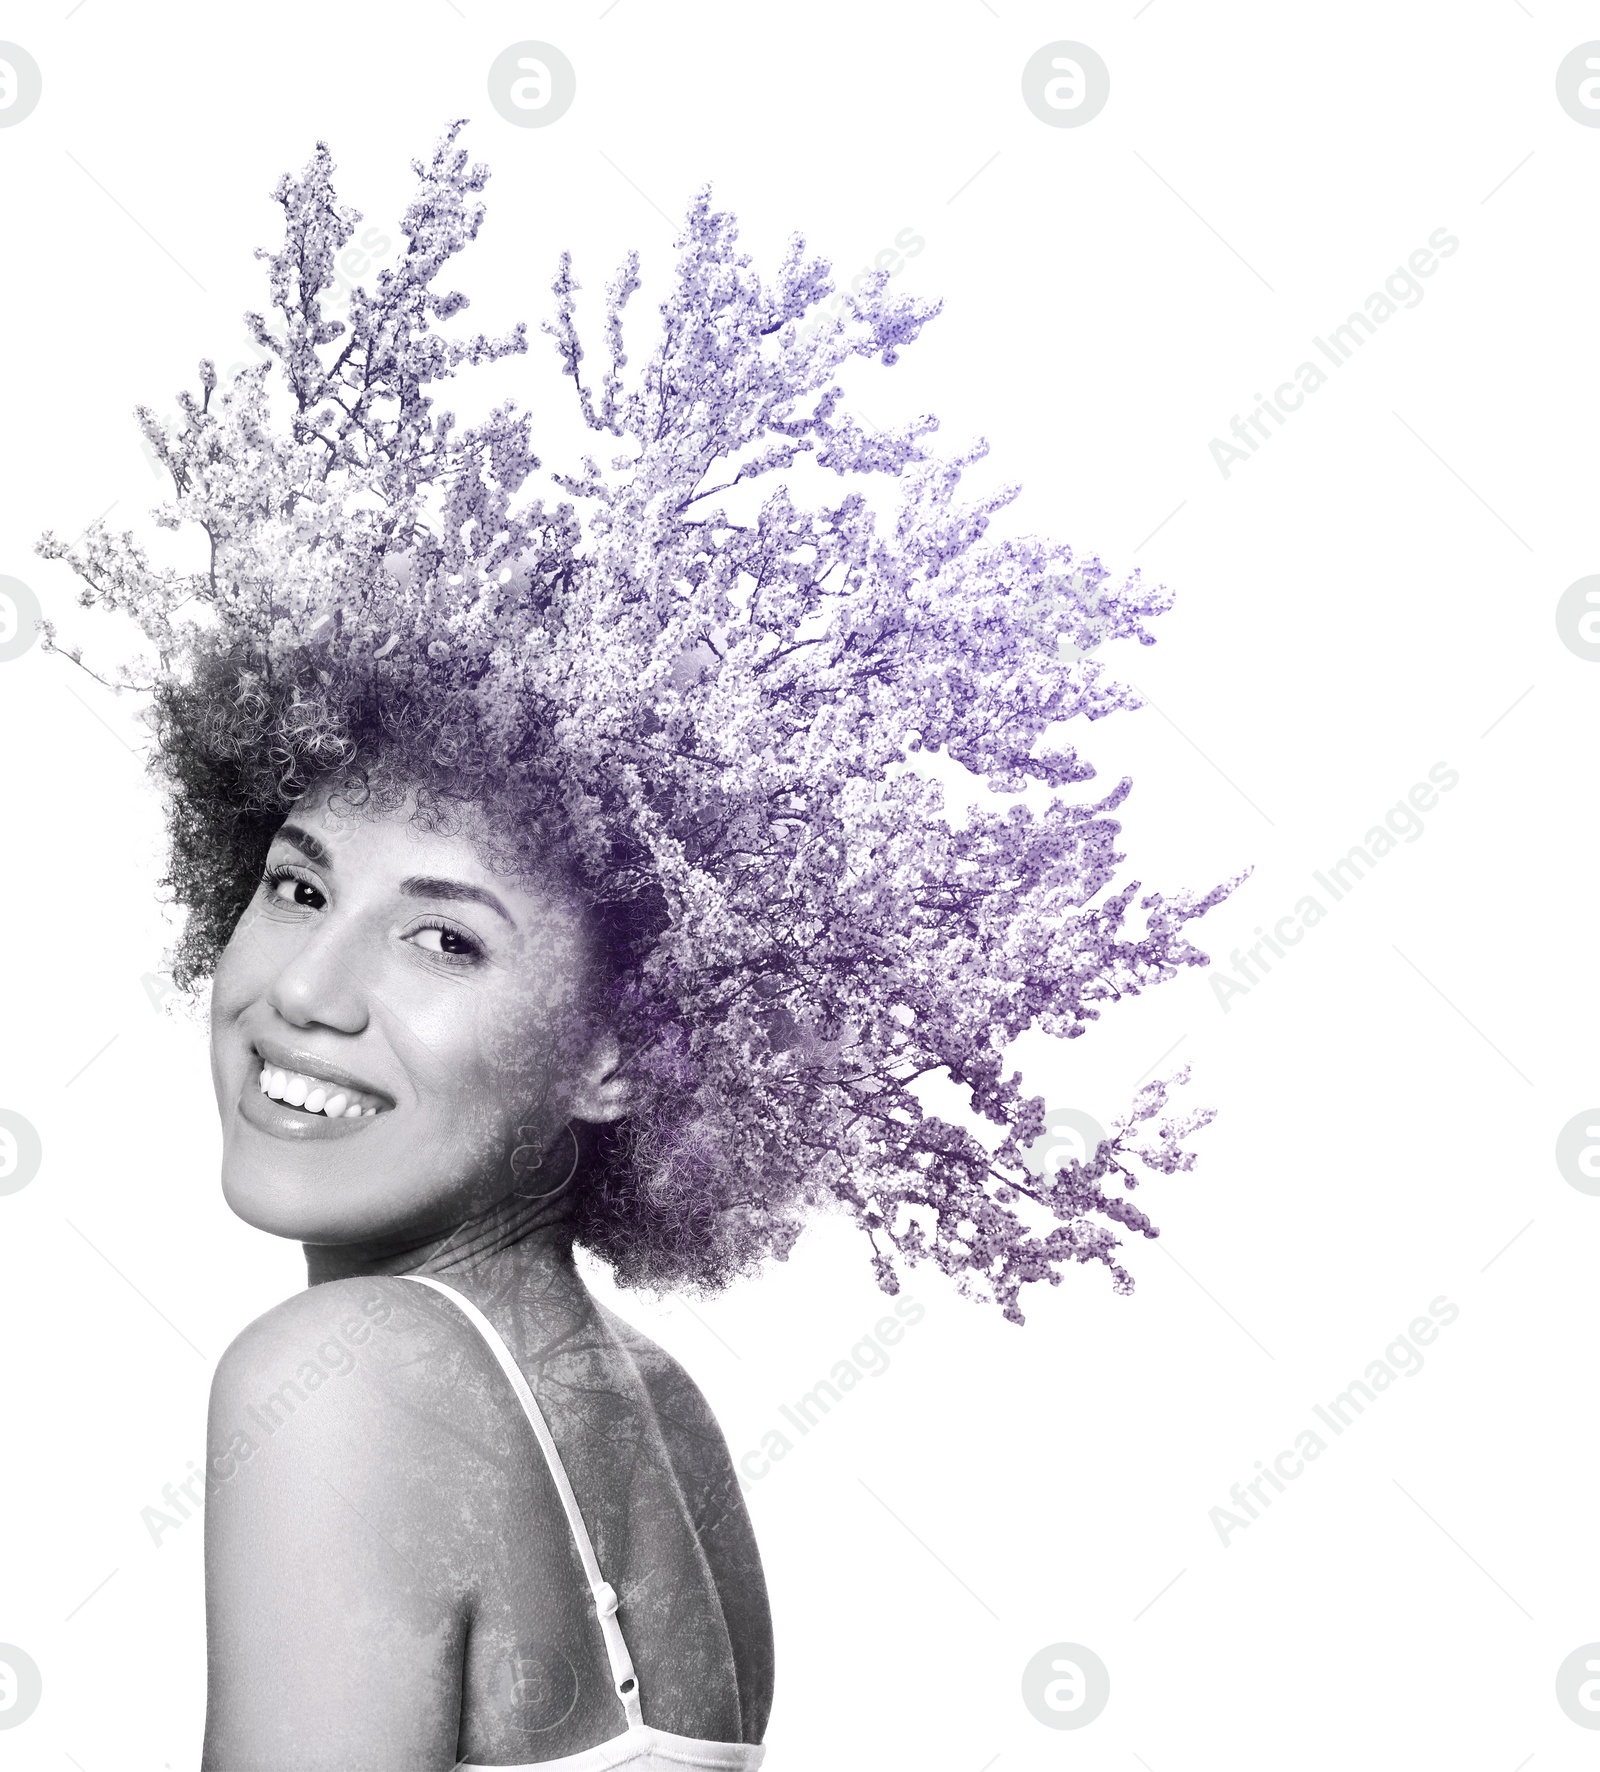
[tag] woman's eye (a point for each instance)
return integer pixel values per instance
(454, 944)
(292, 889)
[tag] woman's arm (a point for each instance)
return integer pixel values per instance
(336, 1599)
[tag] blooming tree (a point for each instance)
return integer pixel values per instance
(706, 696)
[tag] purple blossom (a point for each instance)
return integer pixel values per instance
(709, 695)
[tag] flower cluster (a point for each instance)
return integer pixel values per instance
(705, 694)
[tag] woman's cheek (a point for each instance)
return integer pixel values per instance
(230, 981)
(232, 991)
(464, 1146)
(260, 947)
(515, 1042)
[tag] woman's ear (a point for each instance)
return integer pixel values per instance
(598, 1093)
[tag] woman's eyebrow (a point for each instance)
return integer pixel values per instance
(303, 840)
(427, 886)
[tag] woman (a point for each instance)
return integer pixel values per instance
(565, 878)
(396, 1578)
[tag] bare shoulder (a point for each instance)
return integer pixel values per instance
(311, 1341)
(721, 1523)
(678, 1401)
(696, 1446)
(359, 1382)
(338, 1566)
(349, 1310)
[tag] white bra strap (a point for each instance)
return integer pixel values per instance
(605, 1596)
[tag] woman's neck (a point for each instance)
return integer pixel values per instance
(518, 1237)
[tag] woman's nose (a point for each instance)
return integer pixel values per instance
(319, 985)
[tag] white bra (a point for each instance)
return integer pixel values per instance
(640, 1748)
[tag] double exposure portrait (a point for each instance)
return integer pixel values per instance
(753, 1018)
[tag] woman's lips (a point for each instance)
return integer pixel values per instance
(317, 1094)
(282, 1064)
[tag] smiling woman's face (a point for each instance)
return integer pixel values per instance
(387, 1015)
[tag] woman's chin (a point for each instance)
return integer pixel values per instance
(280, 1207)
(340, 1203)
(323, 1209)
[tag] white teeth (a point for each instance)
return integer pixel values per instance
(313, 1096)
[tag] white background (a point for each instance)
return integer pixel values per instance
(1366, 597)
